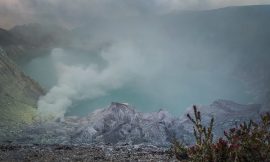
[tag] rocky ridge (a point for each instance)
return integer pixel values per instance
(121, 124)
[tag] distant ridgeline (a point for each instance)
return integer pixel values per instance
(21, 44)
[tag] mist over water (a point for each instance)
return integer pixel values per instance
(79, 83)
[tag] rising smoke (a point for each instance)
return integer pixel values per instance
(79, 82)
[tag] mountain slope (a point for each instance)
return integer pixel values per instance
(18, 93)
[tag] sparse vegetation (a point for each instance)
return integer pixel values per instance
(247, 142)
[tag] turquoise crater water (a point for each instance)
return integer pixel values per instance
(173, 88)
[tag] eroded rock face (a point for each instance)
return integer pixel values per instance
(120, 124)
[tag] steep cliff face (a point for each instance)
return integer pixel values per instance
(18, 93)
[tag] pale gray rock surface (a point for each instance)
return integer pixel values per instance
(121, 124)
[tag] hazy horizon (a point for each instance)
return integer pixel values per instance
(69, 14)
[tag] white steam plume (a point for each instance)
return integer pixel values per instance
(88, 82)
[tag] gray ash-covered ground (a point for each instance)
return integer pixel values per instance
(129, 135)
(65, 153)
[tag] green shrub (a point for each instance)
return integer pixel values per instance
(248, 142)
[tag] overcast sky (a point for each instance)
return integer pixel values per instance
(14, 12)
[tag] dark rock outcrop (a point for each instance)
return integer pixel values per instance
(41, 36)
(25, 42)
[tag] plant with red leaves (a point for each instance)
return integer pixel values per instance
(248, 142)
